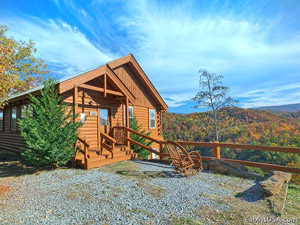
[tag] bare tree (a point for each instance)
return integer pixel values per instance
(213, 95)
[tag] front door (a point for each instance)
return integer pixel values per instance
(105, 120)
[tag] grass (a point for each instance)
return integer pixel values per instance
(239, 195)
(262, 172)
(183, 221)
(292, 205)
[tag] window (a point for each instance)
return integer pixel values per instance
(26, 111)
(13, 121)
(104, 120)
(153, 155)
(1, 120)
(130, 112)
(152, 121)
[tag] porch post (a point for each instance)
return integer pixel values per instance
(105, 85)
(75, 101)
(127, 120)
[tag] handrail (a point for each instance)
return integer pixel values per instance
(216, 146)
(83, 140)
(104, 137)
(137, 133)
(107, 137)
(241, 146)
(85, 150)
(143, 146)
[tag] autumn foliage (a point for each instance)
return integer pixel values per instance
(242, 126)
(19, 69)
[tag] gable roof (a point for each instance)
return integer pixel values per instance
(144, 78)
(107, 67)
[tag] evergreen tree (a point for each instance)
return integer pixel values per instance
(51, 131)
(134, 125)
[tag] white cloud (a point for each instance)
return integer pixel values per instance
(172, 44)
(276, 95)
(59, 44)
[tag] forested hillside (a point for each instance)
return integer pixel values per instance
(243, 126)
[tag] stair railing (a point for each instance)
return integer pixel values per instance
(108, 143)
(83, 146)
(121, 131)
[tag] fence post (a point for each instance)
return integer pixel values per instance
(161, 157)
(216, 151)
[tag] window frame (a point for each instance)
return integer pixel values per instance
(124, 109)
(108, 117)
(130, 107)
(27, 107)
(2, 125)
(11, 118)
(152, 110)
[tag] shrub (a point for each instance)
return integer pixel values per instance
(51, 131)
(134, 125)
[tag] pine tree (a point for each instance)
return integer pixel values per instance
(51, 131)
(134, 125)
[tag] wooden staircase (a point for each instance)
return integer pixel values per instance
(109, 149)
(96, 158)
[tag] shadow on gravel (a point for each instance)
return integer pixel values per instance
(149, 174)
(155, 163)
(10, 166)
(253, 194)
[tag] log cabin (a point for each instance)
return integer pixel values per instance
(105, 98)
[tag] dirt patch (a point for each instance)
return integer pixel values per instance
(78, 194)
(153, 190)
(3, 189)
(120, 166)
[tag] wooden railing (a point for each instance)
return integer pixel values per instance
(129, 140)
(83, 146)
(104, 140)
(216, 150)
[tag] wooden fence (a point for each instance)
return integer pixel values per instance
(216, 151)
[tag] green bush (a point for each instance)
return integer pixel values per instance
(134, 125)
(51, 131)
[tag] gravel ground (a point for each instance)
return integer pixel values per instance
(143, 193)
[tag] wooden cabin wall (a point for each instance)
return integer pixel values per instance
(137, 88)
(90, 127)
(144, 101)
(10, 141)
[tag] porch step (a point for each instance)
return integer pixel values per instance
(94, 163)
(98, 160)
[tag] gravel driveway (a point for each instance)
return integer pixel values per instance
(132, 192)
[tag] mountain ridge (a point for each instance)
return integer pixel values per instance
(281, 108)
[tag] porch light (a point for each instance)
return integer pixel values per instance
(91, 102)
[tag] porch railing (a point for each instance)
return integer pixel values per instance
(83, 146)
(108, 143)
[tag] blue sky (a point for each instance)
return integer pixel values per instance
(254, 44)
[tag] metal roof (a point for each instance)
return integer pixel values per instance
(59, 81)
